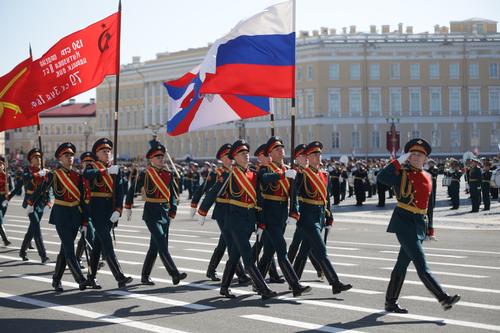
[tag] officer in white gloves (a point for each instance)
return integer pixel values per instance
(106, 202)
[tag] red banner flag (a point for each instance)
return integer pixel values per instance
(12, 111)
(76, 63)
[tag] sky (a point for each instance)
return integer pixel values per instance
(155, 26)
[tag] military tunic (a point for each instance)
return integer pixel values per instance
(485, 189)
(475, 181)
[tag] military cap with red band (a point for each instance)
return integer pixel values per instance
(273, 142)
(223, 151)
(65, 148)
(238, 146)
(103, 143)
(299, 150)
(88, 156)
(34, 152)
(314, 147)
(156, 150)
(261, 150)
(418, 144)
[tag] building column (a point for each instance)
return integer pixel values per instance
(153, 104)
(145, 104)
(161, 105)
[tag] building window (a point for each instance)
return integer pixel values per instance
(435, 100)
(454, 100)
(395, 101)
(309, 73)
(374, 72)
(494, 100)
(434, 71)
(354, 100)
(494, 137)
(415, 134)
(335, 140)
(493, 70)
(474, 100)
(299, 73)
(58, 130)
(376, 139)
(415, 72)
(454, 70)
(69, 130)
(415, 101)
(394, 72)
(334, 102)
(374, 101)
(310, 103)
(334, 72)
(300, 103)
(455, 138)
(475, 137)
(473, 71)
(355, 71)
(356, 140)
(435, 138)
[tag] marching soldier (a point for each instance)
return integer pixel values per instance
(381, 188)
(343, 181)
(454, 188)
(360, 179)
(475, 181)
(194, 178)
(69, 213)
(33, 177)
(86, 158)
(106, 202)
(241, 190)
(5, 196)
(274, 179)
(335, 181)
(310, 209)
(485, 185)
(413, 187)
(159, 209)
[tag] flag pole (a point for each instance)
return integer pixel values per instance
(38, 130)
(292, 120)
(117, 85)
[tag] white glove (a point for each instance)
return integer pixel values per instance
(84, 230)
(113, 170)
(128, 214)
(114, 217)
(42, 172)
(290, 173)
(403, 158)
(5, 203)
(291, 220)
(29, 210)
(193, 212)
(202, 219)
(259, 234)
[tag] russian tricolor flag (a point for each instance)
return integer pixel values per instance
(257, 57)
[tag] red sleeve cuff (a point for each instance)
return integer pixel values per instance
(261, 226)
(194, 205)
(171, 215)
(295, 215)
(202, 212)
(127, 206)
(396, 165)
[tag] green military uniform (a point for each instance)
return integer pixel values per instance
(454, 188)
(486, 187)
(413, 188)
(211, 189)
(160, 207)
(275, 189)
(311, 208)
(5, 196)
(32, 180)
(68, 214)
(475, 181)
(106, 198)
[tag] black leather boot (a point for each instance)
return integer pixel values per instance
(172, 269)
(274, 276)
(115, 268)
(92, 271)
(332, 277)
(449, 301)
(58, 273)
(259, 283)
(435, 288)
(392, 294)
(79, 251)
(227, 277)
(41, 249)
(212, 265)
(77, 274)
(4, 236)
(316, 265)
(24, 247)
(292, 279)
(149, 262)
(240, 273)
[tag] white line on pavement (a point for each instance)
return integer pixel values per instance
(89, 314)
(474, 276)
(298, 324)
(431, 255)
